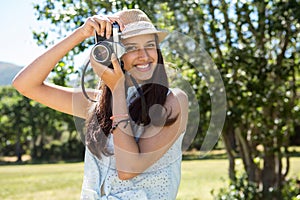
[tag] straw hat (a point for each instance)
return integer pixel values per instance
(137, 23)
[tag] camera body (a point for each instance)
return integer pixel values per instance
(104, 48)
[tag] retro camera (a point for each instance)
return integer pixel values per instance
(104, 48)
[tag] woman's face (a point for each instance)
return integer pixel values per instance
(141, 57)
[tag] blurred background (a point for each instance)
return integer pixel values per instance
(254, 45)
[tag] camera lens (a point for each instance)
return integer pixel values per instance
(101, 53)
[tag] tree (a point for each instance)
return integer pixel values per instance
(255, 45)
(13, 111)
(258, 56)
(29, 127)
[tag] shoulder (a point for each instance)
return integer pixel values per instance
(177, 100)
(177, 96)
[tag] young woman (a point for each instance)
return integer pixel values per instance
(134, 131)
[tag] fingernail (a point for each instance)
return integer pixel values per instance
(113, 56)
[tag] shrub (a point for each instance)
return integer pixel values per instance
(242, 189)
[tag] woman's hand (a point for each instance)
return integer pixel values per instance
(101, 24)
(113, 78)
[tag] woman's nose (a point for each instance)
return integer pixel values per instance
(142, 53)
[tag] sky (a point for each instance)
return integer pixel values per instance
(17, 21)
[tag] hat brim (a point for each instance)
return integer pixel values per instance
(161, 34)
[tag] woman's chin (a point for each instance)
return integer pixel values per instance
(142, 74)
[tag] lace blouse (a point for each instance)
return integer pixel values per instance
(160, 181)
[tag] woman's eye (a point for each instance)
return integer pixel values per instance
(130, 48)
(150, 46)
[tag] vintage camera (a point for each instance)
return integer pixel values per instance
(104, 48)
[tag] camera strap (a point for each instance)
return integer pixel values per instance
(82, 81)
(141, 94)
(138, 88)
(117, 50)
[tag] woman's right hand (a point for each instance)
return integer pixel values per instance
(101, 24)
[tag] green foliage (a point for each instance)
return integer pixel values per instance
(12, 120)
(290, 190)
(27, 127)
(242, 189)
(57, 150)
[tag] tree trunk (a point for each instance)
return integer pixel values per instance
(18, 150)
(268, 173)
(18, 147)
(247, 157)
(230, 152)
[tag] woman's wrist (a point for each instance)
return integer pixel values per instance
(119, 88)
(81, 34)
(119, 100)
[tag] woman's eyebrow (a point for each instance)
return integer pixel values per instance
(133, 43)
(150, 41)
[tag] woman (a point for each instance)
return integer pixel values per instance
(135, 130)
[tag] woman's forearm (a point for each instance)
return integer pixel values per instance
(35, 73)
(125, 146)
(130, 160)
(123, 136)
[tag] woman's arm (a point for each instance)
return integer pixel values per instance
(133, 158)
(30, 81)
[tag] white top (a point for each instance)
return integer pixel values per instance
(159, 181)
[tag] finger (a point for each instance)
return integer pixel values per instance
(113, 18)
(108, 29)
(118, 20)
(122, 26)
(90, 25)
(95, 22)
(98, 68)
(116, 64)
(102, 28)
(102, 24)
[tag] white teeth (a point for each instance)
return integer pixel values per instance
(142, 66)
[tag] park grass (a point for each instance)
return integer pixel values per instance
(42, 181)
(199, 177)
(63, 181)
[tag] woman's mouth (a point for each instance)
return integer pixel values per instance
(143, 67)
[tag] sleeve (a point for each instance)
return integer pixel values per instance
(92, 176)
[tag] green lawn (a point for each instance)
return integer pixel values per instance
(63, 181)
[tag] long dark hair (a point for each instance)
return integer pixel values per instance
(99, 123)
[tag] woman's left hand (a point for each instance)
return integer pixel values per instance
(113, 78)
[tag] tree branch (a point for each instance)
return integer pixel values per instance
(224, 10)
(212, 29)
(287, 157)
(284, 43)
(239, 31)
(262, 17)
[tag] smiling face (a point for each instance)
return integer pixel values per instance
(141, 57)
